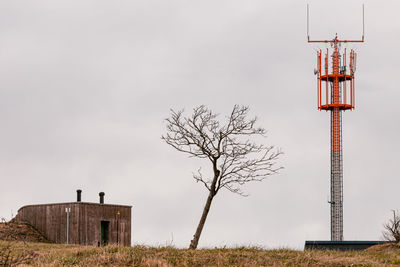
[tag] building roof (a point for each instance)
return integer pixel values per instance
(79, 203)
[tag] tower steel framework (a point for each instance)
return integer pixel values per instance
(336, 95)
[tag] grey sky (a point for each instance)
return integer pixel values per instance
(85, 86)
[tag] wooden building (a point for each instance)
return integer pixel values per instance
(80, 222)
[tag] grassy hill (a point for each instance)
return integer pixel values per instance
(45, 254)
(13, 231)
(34, 250)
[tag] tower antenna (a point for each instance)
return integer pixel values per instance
(363, 23)
(337, 95)
(308, 22)
(329, 41)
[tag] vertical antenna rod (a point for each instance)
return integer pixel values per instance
(308, 19)
(363, 24)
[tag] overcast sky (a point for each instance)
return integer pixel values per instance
(85, 87)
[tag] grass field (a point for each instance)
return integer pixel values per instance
(42, 254)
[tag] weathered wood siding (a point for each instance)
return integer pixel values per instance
(84, 222)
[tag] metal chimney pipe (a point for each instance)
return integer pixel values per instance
(78, 195)
(101, 194)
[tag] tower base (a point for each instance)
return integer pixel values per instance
(341, 245)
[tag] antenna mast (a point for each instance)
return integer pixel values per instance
(336, 95)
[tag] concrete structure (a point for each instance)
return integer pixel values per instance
(80, 222)
(340, 245)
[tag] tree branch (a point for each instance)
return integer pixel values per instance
(235, 159)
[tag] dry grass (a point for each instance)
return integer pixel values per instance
(72, 255)
(14, 231)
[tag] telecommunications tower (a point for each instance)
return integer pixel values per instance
(335, 93)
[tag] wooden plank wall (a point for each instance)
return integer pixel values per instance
(84, 222)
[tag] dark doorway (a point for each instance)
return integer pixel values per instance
(104, 232)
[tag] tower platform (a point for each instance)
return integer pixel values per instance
(340, 245)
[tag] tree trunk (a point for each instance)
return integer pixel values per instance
(196, 237)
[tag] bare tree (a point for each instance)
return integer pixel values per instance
(235, 159)
(391, 230)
